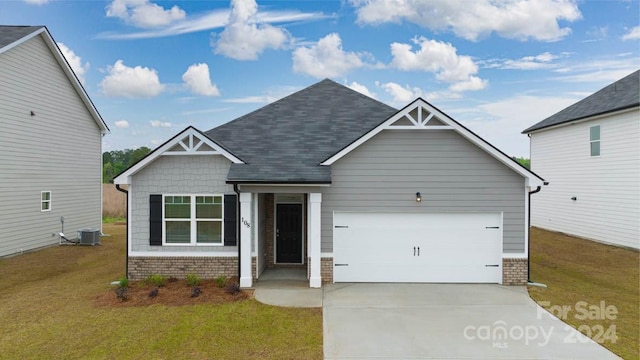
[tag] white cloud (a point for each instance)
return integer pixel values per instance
(245, 37)
(159, 123)
(36, 2)
(198, 80)
(326, 58)
(131, 82)
(440, 58)
(401, 94)
(541, 61)
(633, 34)
(361, 89)
(123, 124)
(74, 61)
(143, 13)
(516, 19)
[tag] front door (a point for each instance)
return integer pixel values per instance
(289, 233)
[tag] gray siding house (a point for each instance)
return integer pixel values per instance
(334, 182)
(50, 144)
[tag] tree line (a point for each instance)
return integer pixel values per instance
(116, 161)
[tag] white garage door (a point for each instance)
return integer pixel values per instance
(401, 247)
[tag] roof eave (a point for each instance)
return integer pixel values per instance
(623, 109)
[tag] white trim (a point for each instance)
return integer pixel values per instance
(255, 234)
(129, 219)
(526, 220)
(246, 276)
(182, 254)
(315, 221)
(300, 202)
(590, 118)
(513, 256)
(326, 254)
(411, 127)
(49, 202)
(193, 221)
(532, 180)
(591, 141)
(125, 177)
(66, 68)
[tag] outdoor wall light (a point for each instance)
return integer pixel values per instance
(574, 198)
(418, 197)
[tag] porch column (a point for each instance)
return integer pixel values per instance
(246, 279)
(315, 278)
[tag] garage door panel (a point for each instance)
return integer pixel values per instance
(392, 247)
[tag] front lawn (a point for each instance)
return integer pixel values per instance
(586, 278)
(49, 310)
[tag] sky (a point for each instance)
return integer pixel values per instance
(152, 68)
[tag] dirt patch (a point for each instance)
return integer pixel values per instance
(174, 293)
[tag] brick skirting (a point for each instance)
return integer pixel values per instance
(179, 267)
(326, 269)
(514, 272)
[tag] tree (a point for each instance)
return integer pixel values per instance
(116, 161)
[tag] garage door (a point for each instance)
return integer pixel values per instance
(400, 247)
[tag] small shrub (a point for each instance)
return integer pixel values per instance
(232, 288)
(122, 293)
(157, 280)
(193, 280)
(221, 281)
(123, 282)
(196, 291)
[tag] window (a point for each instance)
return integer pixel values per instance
(594, 138)
(193, 219)
(45, 201)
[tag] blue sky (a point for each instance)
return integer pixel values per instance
(154, 67)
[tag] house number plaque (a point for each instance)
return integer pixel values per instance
(246, 223)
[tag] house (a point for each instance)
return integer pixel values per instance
(590, 153)
(331, 181)
(50, 144)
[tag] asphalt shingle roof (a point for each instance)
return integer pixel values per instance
(285, 141)
(622, 94)
(10, 34)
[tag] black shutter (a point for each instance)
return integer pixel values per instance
(155, 220)
(230, 220)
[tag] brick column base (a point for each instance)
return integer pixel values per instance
(514, 272)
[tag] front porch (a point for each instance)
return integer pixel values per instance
(280, 230)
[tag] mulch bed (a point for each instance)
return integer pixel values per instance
(174, 293)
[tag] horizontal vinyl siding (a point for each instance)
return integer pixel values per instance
(183, 174)
(57, 150)
(607, 187)
(452, 175)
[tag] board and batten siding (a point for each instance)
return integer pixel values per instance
(452, 175)
(175, 174)
(606, 187)
(59, 149)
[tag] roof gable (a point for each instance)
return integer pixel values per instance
(189, 141)
(287, 139)
(622, 94)
(422, 116)
(12, 36)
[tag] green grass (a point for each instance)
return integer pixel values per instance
(113, 220)
(48, 311)
(580, 270)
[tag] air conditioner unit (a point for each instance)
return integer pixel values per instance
(89, 237)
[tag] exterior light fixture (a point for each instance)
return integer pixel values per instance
(574, 198)
(418, 197)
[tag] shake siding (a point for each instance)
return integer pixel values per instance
(183, 174)
(452, 175)
(607, 187)
(57, 150)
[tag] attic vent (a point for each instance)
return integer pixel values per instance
(89, 237)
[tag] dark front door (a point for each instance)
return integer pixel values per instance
(289, 233)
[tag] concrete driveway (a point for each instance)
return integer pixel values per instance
(445, 321)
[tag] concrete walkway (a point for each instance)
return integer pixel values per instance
(445, 321)
(286, 287)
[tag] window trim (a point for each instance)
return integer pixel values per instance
(193, 221)
(43, 201)
(592, 141)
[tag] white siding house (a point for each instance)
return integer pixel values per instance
(590, 154)
(50, 144)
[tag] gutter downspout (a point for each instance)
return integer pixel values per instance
(237, 191)
(529, 234)
(126, 235)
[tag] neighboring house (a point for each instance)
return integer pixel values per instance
(335, 182)
(590, 154)
(50, 144)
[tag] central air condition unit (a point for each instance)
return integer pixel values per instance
(89, 237)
